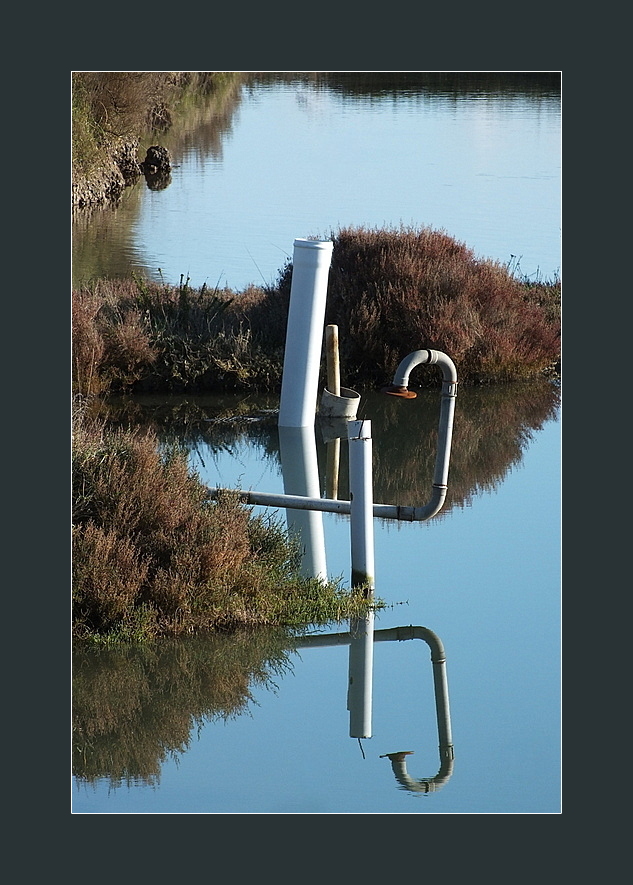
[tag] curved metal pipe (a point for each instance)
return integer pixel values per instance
(399, 387)
(425, 357)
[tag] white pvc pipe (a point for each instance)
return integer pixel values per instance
(361, 649)
(361, 504)
(304, 333)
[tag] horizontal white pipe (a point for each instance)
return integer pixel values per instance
(328, 505)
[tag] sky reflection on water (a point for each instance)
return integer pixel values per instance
(485, 578)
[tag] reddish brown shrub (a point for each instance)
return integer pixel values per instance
(395, 291)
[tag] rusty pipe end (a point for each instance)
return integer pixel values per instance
(394, 390)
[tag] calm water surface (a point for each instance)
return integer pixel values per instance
(295, 158)
(484, 576)
(169, 732)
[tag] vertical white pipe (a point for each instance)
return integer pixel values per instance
(361, 503)
(304, 333)
(361, 649)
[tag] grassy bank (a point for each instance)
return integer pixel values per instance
(153, 557)
(390, 292)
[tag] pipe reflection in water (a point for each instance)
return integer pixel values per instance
(300, 471)
(332, 468)
(442, 709)
(332, 430)
(360, 676)
(357, 700)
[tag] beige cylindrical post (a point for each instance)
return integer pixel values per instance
(332, 360)
(333, 364)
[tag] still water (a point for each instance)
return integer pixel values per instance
(294, 157)
(176, 731)
(246, 725)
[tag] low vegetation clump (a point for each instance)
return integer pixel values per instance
(390, 292)
(138, 336)
(398, 290)
(153, 556)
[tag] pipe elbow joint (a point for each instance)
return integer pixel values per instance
(426, 357)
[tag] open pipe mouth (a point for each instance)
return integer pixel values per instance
(394, 390)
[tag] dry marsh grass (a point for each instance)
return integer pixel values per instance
(390, 292)
(398, 290)
(153, 556)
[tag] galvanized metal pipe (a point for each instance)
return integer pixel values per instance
(447, 410)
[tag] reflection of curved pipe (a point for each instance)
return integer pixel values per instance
(442, 709)
(425, 784)
(360, 682)
(438, 659)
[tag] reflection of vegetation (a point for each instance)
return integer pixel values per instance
(219, 423)
(115, 108)
(197, 113)
(492, 428)
(136, 706)
(96, 228)
(426, 84)
(493, 425)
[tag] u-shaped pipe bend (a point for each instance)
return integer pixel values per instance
(445, 431)
(429, 358)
